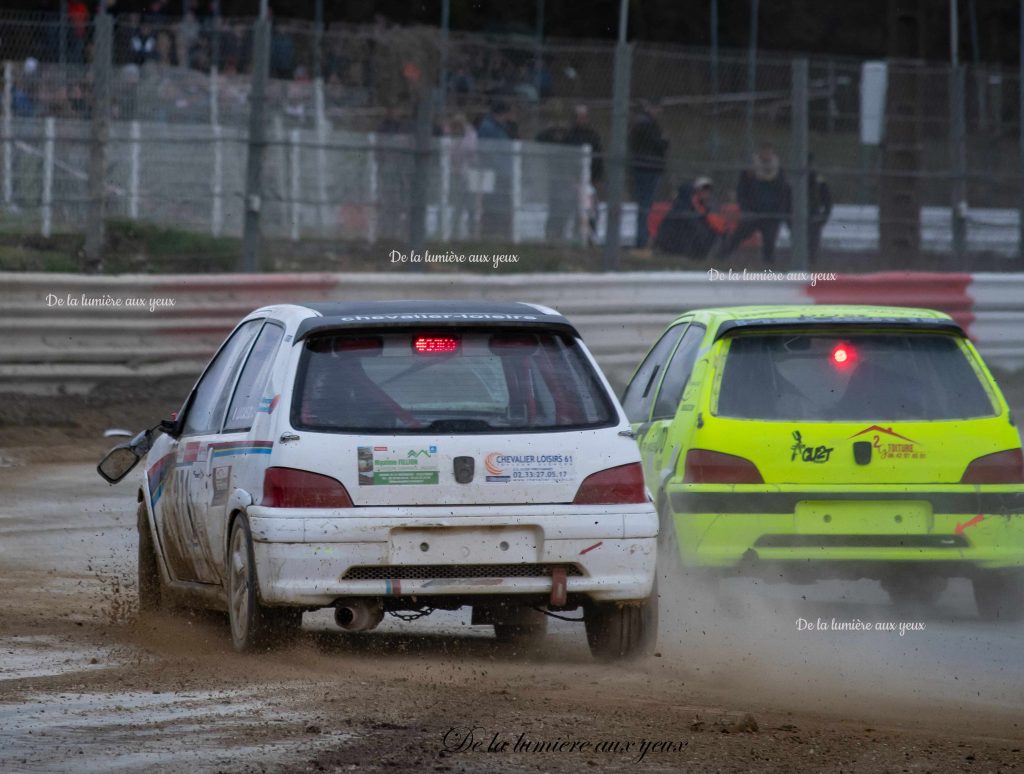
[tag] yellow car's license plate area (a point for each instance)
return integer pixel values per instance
(863, 517)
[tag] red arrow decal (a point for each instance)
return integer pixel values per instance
(961, 527)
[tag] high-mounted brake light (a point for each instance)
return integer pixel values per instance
(435, 345)
(711, 467)
(614, 486)
(291, 488)
(1005, 467)
(843, 355)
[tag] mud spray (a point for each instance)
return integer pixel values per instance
(833, 648)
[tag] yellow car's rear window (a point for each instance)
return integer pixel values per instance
(826, 376)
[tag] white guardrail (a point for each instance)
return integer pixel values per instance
(67, 333)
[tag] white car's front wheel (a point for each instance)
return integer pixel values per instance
(150, 586)
(253, 626)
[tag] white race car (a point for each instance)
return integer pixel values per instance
(399, 457)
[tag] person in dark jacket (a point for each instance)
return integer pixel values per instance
(690, 228)
(764, 197)
(819, 208)
(560, 170)
(580, 133)
(647, 151)
(497, 131)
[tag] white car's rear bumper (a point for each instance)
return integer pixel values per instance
(312, 558)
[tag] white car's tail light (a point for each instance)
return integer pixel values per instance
(614, 486)
(291, 488)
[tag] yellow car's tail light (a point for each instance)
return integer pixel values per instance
(711, 467)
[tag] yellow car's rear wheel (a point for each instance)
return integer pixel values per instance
(999, 595)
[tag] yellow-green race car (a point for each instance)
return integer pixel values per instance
(814, 442)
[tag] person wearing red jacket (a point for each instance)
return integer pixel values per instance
(691, 228)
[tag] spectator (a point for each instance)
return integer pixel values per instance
(156, 14)
(188, 35)
(560, 170)
(690, 228)
(395, 172)
(764, 198)
(23, 97)
(497, 130)
(78, 18)
(647, 150)
(583, 133)
(461, 84)
(819, 208)
(282, 54)
(463, 166)
(142, 44)
(165, 49)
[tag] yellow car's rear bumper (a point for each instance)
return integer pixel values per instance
(964, 527)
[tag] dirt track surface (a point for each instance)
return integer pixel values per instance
(87, 686)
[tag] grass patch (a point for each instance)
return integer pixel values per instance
(134, 247)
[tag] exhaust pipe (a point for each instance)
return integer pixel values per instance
(358, 615)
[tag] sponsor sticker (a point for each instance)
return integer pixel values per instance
(221, 481)
(397, 466)
(537, 468)
(890, 445)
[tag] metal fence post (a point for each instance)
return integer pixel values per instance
(133, 170)
(372, 188)
(95, 235)
(47, 196)
(217, 183)
(1020, 140)
(5, 109)
(751, 77)
(517, 188)
(257, 146)
(715, 140)
(444, 213)
(295, 182)
(322, 128)
(584, 194)
(958, 192)
(420, 177)
(800, 152)
(617, 151)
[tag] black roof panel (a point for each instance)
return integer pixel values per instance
(357, 314)
(768, 323)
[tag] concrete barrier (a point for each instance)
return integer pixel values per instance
(66, 333)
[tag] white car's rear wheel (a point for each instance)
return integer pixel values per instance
(618, 631)
(253, 626)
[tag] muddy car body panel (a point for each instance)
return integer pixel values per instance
(829, 441)
(405, 451)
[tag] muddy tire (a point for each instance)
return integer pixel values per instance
(999, 595)
(254, 627)
(150, 585)
(670, 565)
(619, 631)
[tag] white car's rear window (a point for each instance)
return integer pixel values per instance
(448, 381)
(857, 377)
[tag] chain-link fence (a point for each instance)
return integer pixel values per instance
(388, 134)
